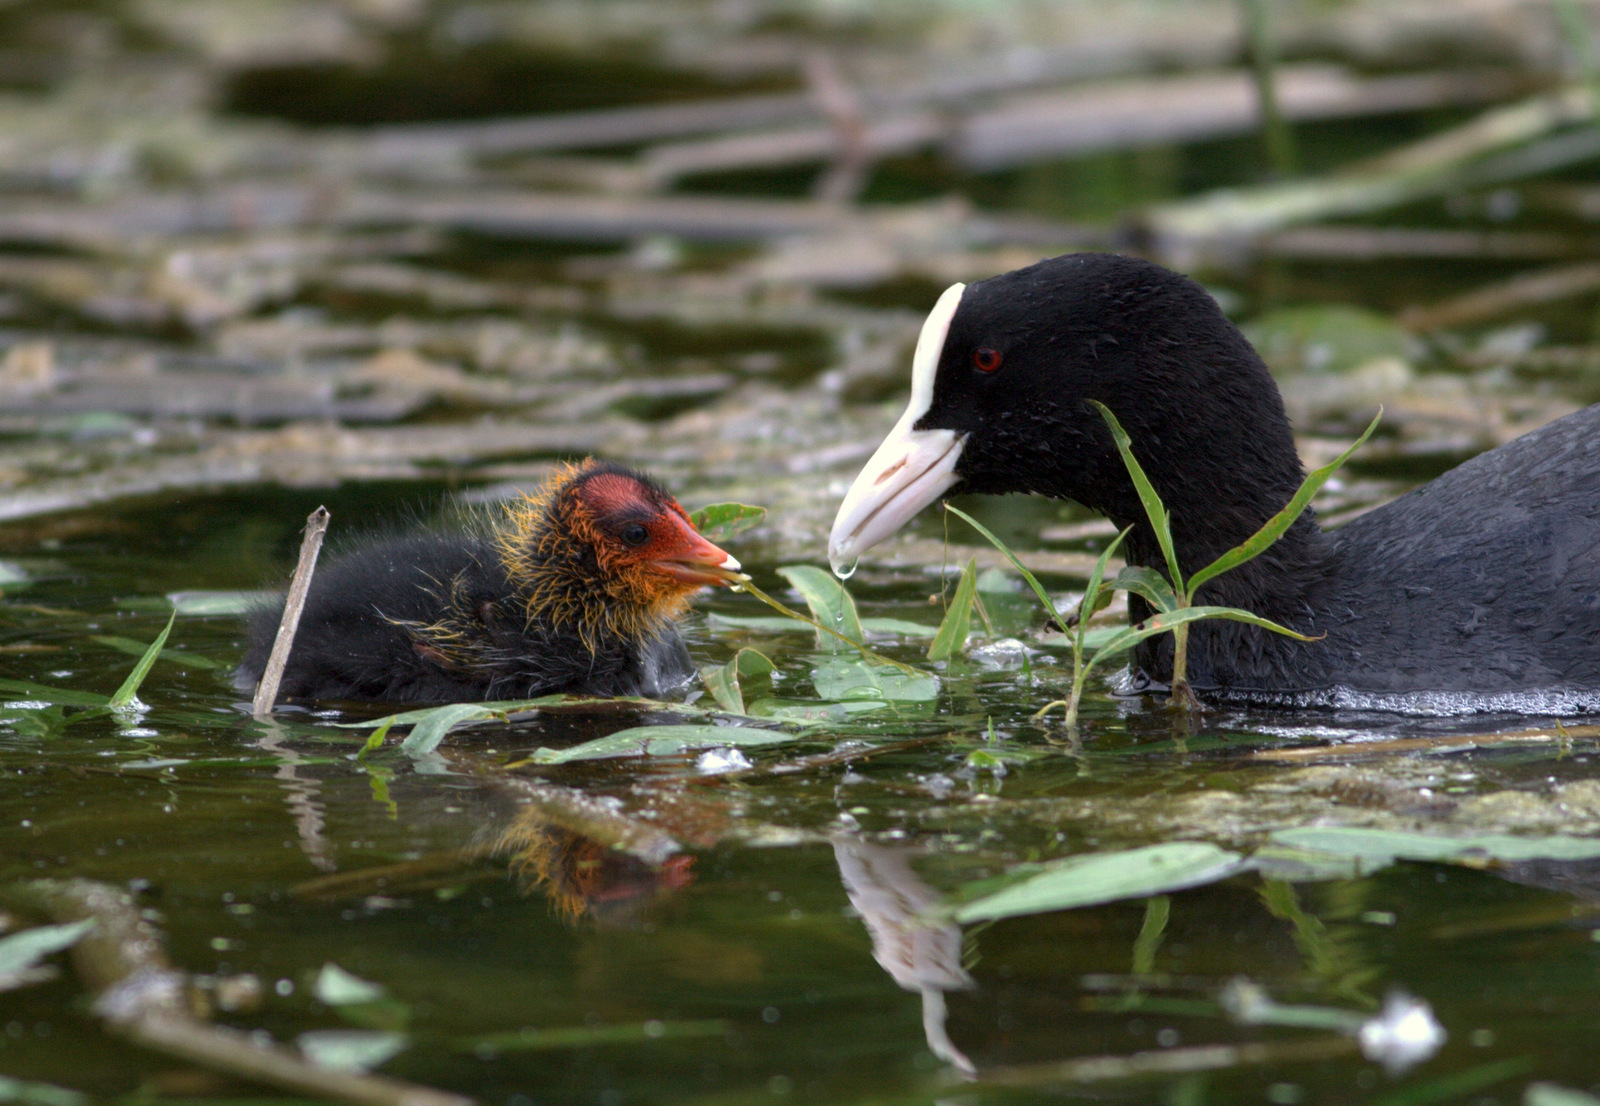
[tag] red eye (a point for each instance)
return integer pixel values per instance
(986, 360)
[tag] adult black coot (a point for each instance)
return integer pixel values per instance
(576, 588)
(1480, 590)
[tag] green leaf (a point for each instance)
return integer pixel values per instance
(723, 681)
(1280, 522)
(39, 1094)
(377, 738)
(129, 690)
(1149, 584)
(218, 602)
(136, 649)
(951, 638)
(663, 741)
(20, 953)
(499, 706)
(336, 987)
(1551, 1094)
(898, 626)
(810, 712)
(1096, 598)
(1160, 522)
(1163, 622)
(772, 624)
(431, 725)
(1385, 846)
(1033, 581)
(840, 678)
(352, 1050)
(1107, 877)
(60, 696)
(830, 604)
(588, 1036)
(723, 520)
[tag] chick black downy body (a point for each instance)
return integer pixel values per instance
(577, 589)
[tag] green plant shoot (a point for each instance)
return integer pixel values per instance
(1172, 598)
(1096, 595)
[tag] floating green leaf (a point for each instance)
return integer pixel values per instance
(430, 729)
(353, 1050)
(588, 1036)
(810, 712)
(1107, 877)
(1386, 846)
(1551, 1094)
(723, 520)
(336, 987)
(234, 603)
(723, 681)
(125, 695)
(663, 741)
(20, 953)
(841, 678)
(952, 636)
(39, 1094)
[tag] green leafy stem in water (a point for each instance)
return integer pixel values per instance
(1172, 596)
(46, 718)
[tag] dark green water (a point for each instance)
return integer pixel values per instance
(743, 970)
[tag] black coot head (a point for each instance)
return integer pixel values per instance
(1002, 380)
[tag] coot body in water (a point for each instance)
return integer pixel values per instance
(1480, 590)
(577, 588)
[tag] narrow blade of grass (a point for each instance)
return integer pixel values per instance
(1033, 581)
(129, 690)
(1160, 521)
(1092, 598)
(58, 695)
(1280, 522)
(952, 636)
(1166, 620)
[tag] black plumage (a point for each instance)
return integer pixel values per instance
(1485, 581)
(575, 589)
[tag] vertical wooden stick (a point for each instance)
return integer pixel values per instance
(293, 604)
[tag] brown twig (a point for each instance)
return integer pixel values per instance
(293, 604)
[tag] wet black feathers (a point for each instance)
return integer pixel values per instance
(1485, 581)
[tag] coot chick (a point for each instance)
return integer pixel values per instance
(1480, 590)
(576, 588)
